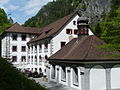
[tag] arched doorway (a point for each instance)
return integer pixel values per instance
(97, 78)
(115, 77)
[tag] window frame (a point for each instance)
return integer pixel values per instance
(23, 38)
(14, 48)
(23, 49)
(14, 38)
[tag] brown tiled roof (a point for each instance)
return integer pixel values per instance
(20, 29)
(85, 49)
(53, 28)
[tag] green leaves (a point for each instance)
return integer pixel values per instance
(52, 12)
(4, 21)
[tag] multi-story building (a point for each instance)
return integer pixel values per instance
(53, 37)
(14, 43)
(81, 64)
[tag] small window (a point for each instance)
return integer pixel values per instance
(14, 58)
(23, 48)
(46, 57)
(74, 22)
(46, 45)
(68, 31)
(23, 37)
(63, 44)
(75, 31)
(23, 58)
(14, 36)
(14, 48)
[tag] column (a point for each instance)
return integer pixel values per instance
(108, 79)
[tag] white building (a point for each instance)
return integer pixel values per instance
(14, 43)
(82, 65)
(53, 37)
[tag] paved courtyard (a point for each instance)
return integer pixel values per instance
(52, 85)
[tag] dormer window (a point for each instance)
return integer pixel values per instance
(14, 36)
(23, 37)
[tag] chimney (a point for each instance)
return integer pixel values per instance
(82, 24)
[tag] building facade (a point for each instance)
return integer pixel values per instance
(82, 65)
(14, 43)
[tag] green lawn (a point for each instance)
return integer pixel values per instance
(12, 79)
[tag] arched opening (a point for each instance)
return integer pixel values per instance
(75, 76)
(115, 77)
(53, 72)
(97, 78)
(63, 73)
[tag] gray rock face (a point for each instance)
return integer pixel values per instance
(94, 9)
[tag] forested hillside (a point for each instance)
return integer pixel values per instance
(109, 28)
(4, 21)
(52, 12)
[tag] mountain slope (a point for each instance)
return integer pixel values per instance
(52, 12)
(12, 79)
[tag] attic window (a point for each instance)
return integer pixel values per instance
(74, 22)
(68, 31)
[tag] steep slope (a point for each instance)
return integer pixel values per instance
(12, 79)
(95, 10)
(52, 12)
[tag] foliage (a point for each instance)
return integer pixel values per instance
(52, 12)
(4, 21)
(111, 27)
(12, 79)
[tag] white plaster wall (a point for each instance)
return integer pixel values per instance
(62, 36)
(115, 77)
(97, 78)
(17, 43)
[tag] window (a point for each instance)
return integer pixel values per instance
(46, 45)
(40, 48)
(14, 58)
(14, 36)
(74, 22)
(23, 48)
(63, 44)
(23, 37)
(68, 31)
(75, 31)
(14, 48)
(46, 57)
(23, 58)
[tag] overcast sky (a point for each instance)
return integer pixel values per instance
(21, 10)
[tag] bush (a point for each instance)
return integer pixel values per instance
(12, 79)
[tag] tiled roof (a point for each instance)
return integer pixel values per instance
(85, 49)
(20, 29)
(53, 28)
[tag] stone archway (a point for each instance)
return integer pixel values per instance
(97, 78)
(115, 77)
